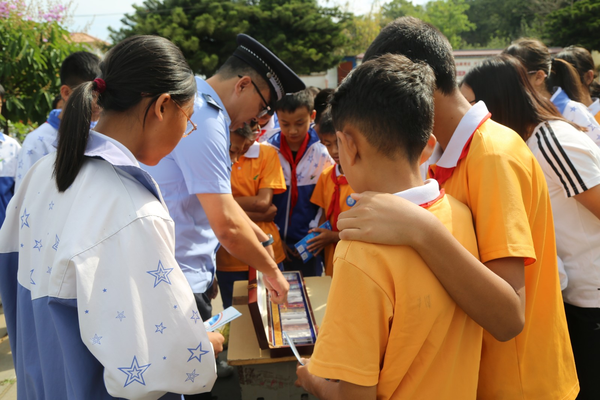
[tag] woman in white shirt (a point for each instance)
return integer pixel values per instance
(571, 165)
(96, 305)
(582, 61)
(556, 80)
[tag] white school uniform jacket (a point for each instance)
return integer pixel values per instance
(37, 144)
(571, 165)
(9, 150)
(576, 113)
(96, 305)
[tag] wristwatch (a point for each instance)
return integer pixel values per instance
(269, 241)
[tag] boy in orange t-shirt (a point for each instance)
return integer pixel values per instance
(332, 194)
(391, 331)
(255, 176)
(515, 294)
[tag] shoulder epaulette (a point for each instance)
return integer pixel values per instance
(211, 101)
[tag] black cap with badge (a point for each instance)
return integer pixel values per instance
(280, 77)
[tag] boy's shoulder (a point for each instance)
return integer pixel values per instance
(266, 150)
(275, 141)
(364, 256)
(327, 172)
(10, 141)
(43, 133)
(494, 139)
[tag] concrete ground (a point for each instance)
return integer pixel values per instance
(224, 389)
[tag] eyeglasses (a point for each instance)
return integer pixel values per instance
(194, 126)
(266, 110)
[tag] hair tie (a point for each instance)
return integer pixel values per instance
(99, 85)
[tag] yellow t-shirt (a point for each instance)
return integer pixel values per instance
(322, 196)
(258, 169)
(504, 186)
(389, 322)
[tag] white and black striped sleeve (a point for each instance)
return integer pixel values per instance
(573, 157)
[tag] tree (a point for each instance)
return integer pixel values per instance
(500, 22)
(304, 35)
(401, 8)
(449, 16)
(576, 24)
(33, 45)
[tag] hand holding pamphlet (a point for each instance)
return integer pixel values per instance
(302, 245)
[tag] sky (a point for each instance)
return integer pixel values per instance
(95, 16)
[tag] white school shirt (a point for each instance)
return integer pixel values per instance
(571, 165)
(9, 150)
(577, 113)
(594, 108)
(37, 144)
(95, 302)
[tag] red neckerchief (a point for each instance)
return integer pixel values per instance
(334, 207)
(286, 152)
(432, 202)
(442, 174)
(261, 134)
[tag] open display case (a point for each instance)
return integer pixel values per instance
(270, 320)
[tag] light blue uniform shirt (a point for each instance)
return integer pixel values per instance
(199, 164)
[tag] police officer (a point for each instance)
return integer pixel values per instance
(195, 178)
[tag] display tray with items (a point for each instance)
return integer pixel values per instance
(270, 320)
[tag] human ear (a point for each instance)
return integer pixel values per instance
(540, 77)
(159, 105)
(347, 146)
(588, 77)
(313, 114)
(65, 92)
(428, 150)
(242, 83)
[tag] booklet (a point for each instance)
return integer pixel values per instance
(302, 244)
(217, 321)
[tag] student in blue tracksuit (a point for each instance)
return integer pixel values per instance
(96, 305)
(303, 158)
(9, 149)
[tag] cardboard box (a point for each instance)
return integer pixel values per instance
(270, 319)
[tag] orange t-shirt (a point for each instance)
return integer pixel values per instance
(389, 322)
(322, 196)
(504, 186)
(258, 169)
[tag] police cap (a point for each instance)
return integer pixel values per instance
(280, 77)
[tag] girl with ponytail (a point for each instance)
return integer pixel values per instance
(582, 61)
(571, 165)
(96, 305)
(555, 79)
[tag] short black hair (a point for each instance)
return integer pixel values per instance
(293, 101)
(321, 103)
(390, 101)
(419, 41)
(234, 67)
(79, 67)
(326, 126)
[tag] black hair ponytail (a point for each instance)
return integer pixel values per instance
(564, 75)
(136, 68)
(73, 134)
